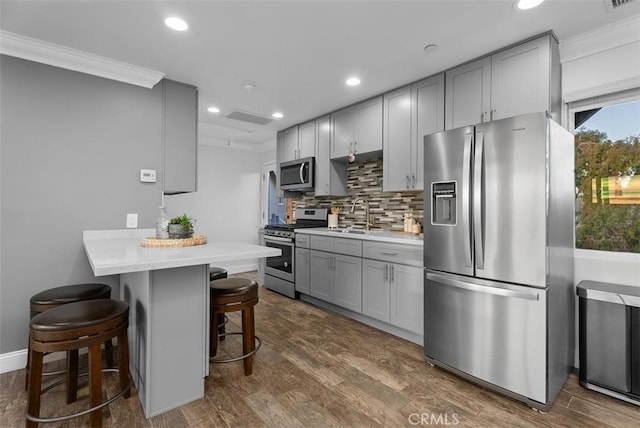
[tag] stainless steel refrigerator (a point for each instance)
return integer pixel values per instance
(498, 255)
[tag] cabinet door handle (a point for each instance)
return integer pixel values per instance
(483, 116)
(491, 114)
(392, 274)
(386, 273)
(389, 254)
(355, 146)
(413, 181)
(406, 181)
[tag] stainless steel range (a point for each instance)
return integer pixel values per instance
(280, 270)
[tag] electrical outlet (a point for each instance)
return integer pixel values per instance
(132, 220)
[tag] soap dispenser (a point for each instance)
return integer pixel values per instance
(162, 224)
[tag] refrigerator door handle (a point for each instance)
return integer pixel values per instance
(478, 185)
(466, 197)
(443, 279)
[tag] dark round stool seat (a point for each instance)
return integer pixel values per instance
(71, 293)
(216, 273)
(54, 297)
(233, 287)
(78, 315)
(230, 295)
(71, 327)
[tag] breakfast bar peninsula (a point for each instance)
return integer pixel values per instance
(168, 294)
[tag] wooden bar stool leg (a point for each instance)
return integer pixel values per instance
(95, 383)
(35, 385)
(108, 353)
(221, 327)
(72, 376)
(123, 362)
(26, 369)
(248, 338)
(213, 334)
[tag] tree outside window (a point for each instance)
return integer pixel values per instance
(607, 152)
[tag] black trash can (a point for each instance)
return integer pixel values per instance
(609, 336)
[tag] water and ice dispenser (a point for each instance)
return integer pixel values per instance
(443, 203)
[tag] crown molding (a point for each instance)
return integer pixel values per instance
(601, 39)
(43, 52)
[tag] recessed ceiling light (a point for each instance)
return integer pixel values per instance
(277, 115)
(176, 23)
(353, 81)
(213, 109)
(528, 4)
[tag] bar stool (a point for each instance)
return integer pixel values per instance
(230, 295)
(54, 297)
(216, 273)
(85, 324)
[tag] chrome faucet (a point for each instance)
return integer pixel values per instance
(366, 208)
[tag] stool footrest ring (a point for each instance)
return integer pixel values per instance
(84, 412)
(242, 357)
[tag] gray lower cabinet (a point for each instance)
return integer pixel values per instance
(407, 297)
(376, 289)
(336, 278)
(347, 282)
(393, 293)
(321, 275)
(302, 264)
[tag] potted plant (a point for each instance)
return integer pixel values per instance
(181, 227)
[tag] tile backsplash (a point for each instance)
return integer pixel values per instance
(365, 181)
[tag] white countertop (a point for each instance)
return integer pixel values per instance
(121, 251)
(369, 235)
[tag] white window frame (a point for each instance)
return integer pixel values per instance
(589, 104)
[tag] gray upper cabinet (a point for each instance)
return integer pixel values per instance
(410, 113)
(297, 142)
(468, 92)
(521, 79)
(518, 80)
(180, 110)
(331, 176)
(396, 142)
(357, 129)
(289, 149)
(307, 139)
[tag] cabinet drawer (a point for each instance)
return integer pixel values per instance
(302, 241)
(395, 253)
(350, 247)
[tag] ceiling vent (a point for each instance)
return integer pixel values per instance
(614, 4)
(249, 117)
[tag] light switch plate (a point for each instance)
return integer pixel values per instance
(148, 175)
(132, 220)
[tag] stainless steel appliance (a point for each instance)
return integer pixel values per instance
(498, 255)
(297, 175)
(280, 270)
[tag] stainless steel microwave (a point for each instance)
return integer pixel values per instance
(297, 174)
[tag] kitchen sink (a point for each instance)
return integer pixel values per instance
(356, 231)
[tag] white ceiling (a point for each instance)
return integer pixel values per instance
(298, 53)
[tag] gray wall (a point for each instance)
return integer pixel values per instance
(71, 147)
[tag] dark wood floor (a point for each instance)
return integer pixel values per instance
(317, 369)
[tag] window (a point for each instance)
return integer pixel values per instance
(607, 150)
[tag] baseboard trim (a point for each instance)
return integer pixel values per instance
(12, 361)
(17, 360)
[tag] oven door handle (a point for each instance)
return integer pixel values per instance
(278, 239)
